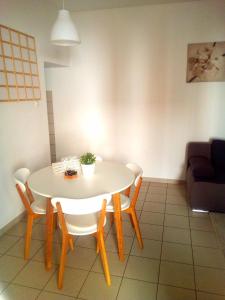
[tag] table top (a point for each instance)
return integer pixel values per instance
(109, 177)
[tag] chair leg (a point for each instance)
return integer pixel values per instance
(104, 257)
(97, 242)
(131, 220)
(55, 222)
(136, 227)
(71, 243)
(111, 218)
(49, 234)
(28, 236)
(62, 262)
(97, 247)
(118, 223)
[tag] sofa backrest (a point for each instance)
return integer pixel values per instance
(199, 149)
(218, 154)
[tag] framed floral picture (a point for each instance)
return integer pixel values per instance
(206, 62)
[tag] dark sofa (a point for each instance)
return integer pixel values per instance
(205, 176)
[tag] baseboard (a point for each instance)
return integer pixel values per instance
(163, 180)
(12, 223)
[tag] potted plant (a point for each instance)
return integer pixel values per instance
(87, 162)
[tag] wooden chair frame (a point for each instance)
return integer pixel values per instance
(67, 240)
(31, 216)
(132, 212)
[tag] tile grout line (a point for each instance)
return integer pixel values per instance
(216, 231)
(98, 255)
(17, 241)
(146, 257)
(58, 294)
(122, 277)
(160, 259)
(5, 254)
(129, 254)
(29, 261)
(166, 284)
(53, 274)
(26, 262)
(193, 265)
(24, 286)
(31, 257)
(189, 229)
(20, 236)
(11, 281)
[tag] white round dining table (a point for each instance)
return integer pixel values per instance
(109, 177)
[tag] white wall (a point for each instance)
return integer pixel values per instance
(23, 126)
(126, 97)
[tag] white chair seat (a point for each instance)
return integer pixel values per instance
(125, 203)
(82, 224)
(39, 205)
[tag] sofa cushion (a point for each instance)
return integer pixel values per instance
(220, 176)
(218, 154)
(201, 167)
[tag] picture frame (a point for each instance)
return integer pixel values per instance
(206, 62)
(19, 77)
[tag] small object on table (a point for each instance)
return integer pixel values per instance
(58, 167)
(70, 174)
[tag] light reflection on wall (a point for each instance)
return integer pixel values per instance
(93, 129)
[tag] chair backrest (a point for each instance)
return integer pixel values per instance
(81, 206)
(137, 170)
(20, 178)
(98, 158)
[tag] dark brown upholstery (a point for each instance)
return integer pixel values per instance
(206, 193)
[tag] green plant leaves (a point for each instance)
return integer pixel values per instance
(87, 158)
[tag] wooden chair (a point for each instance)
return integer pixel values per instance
(82, 217)
(128, 203)
(35, 206)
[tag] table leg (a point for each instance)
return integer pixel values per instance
(118, 223)
(49, 234)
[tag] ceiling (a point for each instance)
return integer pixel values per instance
(79, 5)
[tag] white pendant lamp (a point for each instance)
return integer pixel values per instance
(64, 32)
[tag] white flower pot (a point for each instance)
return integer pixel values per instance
(88, 170)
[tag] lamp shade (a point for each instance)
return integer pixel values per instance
(64, 32)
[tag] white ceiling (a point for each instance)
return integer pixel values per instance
(78, 5)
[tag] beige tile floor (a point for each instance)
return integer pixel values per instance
(181, 260)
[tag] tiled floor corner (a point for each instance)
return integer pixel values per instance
(181, 260)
